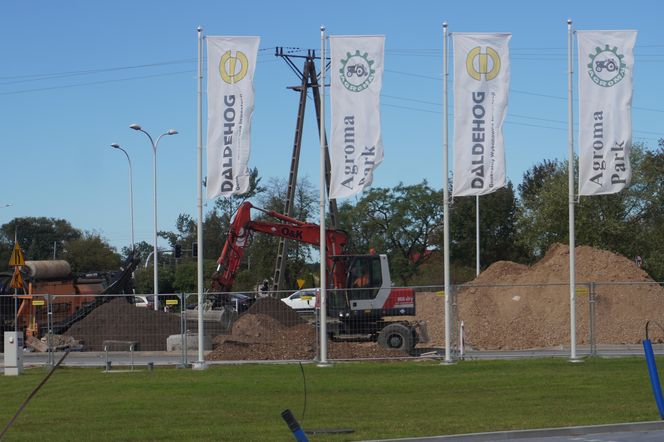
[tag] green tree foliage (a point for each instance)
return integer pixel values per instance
(91, 253)
(217, 222)
(401, 222)
(628, 222)
(186, 275)
(543, 211)
(262, 253)
(39, 237)
(498, 234)
(144, 279)
(143, 249)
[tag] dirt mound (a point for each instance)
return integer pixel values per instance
(276, 309)
(270, 330)
(511, 306)
(121, 321)
(298, 342)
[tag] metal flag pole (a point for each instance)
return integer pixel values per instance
(477, 235)
(323, 264)
(570, 186)
(200, 363)
(446, 207)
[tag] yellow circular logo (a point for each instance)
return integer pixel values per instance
(233, 68)
(480, 63)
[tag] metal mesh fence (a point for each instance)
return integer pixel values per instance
(281, 326)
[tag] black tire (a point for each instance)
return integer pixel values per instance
(397, 337)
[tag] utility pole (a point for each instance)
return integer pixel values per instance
(308, 80)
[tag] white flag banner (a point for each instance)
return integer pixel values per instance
(606, 63)
(230, 95)
(356, 148)
(481, 85)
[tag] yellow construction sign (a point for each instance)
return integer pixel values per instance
(17, 259)
(17, 279)
(582, 290)
(300, 283)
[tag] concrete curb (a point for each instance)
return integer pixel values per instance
(541, 432)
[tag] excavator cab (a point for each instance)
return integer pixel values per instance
(367, 290)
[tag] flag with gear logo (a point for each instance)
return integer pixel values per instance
(356, 147)
(231, 62)
(606, 65)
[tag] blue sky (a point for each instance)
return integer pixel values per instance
(75, 74)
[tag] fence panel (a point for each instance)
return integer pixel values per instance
(256, 326)
(518, 317)
(623, 309)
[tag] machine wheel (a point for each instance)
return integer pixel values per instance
(396, 336)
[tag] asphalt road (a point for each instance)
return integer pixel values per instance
(641, 432)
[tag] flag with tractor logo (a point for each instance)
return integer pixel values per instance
(481, 85)
(230, 95)
(606, 64)
(356, 147)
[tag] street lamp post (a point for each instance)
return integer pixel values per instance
(131, 194)
(154, 193)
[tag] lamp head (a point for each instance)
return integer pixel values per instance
(135, 126)
(115, 145)
(171, 132)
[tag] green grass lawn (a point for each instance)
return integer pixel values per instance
(375, 399)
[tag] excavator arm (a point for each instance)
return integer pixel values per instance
(243, 226)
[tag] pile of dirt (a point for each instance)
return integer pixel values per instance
(508, 306)
(278, 310)
(270, 330)
(512, 306)
(119, 320)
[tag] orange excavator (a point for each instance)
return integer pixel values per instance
(362, 297)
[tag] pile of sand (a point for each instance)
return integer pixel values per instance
(513, 306)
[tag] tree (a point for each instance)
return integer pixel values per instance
(262, 253)
(185, 278)
(627, 222)
(543, 210)
(143, 249)
(91, 253)
(401, 222)
(186, 232)
(40, 237)
(498, 234)
(217, 222)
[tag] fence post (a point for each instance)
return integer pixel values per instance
(183, 333)
(591, 320)
(49, 330)
(454, 319)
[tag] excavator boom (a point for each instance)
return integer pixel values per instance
(243, 226)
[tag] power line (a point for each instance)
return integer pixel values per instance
(514, 123)
(290, 49)
(96, 82)
(37, 77)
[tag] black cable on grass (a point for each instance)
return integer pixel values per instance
(31, 395)
(304, 410)
(304, 384)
